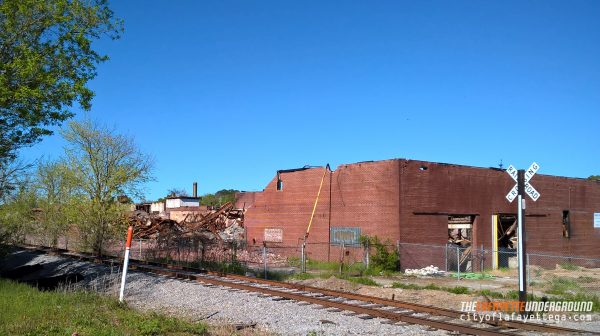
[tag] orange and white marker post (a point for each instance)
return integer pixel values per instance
(125, 262)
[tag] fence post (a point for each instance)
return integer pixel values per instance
(342, 258)
(367, 253)
(233, 252)
(446, 256)
(265, 259)
(458, 261)
(303, 259)
(482, 258)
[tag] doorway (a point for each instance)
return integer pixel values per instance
(504, 239)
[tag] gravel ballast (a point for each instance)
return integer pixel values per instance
(282, 317)
(213, 305)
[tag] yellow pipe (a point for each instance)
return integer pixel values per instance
(312, 215)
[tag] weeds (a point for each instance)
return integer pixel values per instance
(491, 294)
(458, 290)
(569, 266)
(432, 286)
(586, 279)
(302, 276)
(562, 285)
(27, 311)
(362, 281)
(383, 258)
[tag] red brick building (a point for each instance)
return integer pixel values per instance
(422, 202)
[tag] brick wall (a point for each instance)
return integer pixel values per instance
(410, 201)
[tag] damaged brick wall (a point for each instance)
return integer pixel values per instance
(410, 201)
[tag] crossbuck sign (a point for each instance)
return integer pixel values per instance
(529, 189)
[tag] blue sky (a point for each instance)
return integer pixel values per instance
(227, 92)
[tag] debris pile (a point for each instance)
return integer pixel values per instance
(146, 225)
(426, 271)
(256, 257)
(224, 223)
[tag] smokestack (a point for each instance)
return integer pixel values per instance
(195, 189)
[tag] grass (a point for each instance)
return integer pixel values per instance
(234, 267)
(361, 281)
(586, 279)
(473, 276)
(302, 276)
(491, 294)
(28, 311)
(357, 280)
(458, 290)
(322, 265)
(581, 297)
(569, 266)
(432, 286)
(562, 286)
(513, 294)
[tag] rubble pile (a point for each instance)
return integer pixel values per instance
(146, 225)
(224, 223)
(256, 257)
(425, 271)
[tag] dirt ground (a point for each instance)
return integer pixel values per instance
(586, 280)
(427, 297)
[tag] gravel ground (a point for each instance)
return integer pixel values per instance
(282, 317)
(213, 305)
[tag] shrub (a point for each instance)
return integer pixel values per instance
(383, 258)
(458, 290)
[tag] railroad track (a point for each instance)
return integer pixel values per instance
(350, 303)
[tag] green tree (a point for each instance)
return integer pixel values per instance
(594, 178)
(176, 192)
(11, 177)
(17, 215)
(104, 165)
(57, 200)
(46, 61)
(219, 198)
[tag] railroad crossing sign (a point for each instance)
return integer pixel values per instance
(529, 189)
(522, 177)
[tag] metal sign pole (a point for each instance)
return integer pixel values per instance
(523, 186)
(521, 245)
(125, 262)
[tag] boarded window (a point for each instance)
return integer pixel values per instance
(345, 235)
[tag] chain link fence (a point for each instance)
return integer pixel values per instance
(485, 271)
(569, 277)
